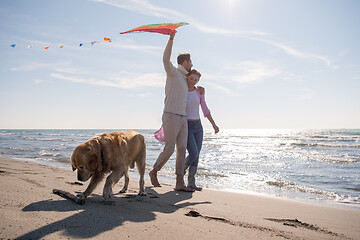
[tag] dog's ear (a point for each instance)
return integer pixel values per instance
(95, 161)
(73, 165)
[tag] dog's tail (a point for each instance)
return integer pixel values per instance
(140, 159)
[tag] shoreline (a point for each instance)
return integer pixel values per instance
(30, 210)
(168, 180)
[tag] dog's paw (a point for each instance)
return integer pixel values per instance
(142, 194)
(124, 190)
(82, 196)
(107, 195)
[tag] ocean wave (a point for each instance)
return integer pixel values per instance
(67, 140)
(85, 135)
(210, 174)
(319, 136)
(41, 139)
(321, 145)
(49, 154)
(51, 160)
(332, 159)
(49, 134)
(23, 149)
(348, 199)
(7, 134)
(304, 189)
(51, 139)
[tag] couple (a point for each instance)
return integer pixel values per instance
(181, 121)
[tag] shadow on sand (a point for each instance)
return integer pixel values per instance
(95, 217)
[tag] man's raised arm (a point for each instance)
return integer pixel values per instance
(167, 52)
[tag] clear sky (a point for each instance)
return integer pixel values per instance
(264, 63)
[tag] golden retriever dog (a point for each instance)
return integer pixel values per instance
(110, 153)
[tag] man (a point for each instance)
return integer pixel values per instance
(174, 116)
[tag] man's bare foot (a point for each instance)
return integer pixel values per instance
(183, 188)
(153, 178)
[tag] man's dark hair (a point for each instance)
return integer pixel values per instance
(182, 57)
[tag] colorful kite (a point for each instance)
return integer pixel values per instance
(12, 45)
(107, 39)
(163, 28)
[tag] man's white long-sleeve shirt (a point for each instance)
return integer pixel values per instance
(176, 88)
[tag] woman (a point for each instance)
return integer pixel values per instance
(195, 129)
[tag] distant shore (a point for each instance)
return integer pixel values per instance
(29, 210)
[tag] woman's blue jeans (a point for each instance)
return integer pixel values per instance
(194, 143)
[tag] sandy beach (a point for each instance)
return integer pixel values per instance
(29, 210)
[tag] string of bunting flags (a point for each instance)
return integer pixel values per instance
(162, 28)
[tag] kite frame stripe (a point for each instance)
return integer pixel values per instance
(165, 28)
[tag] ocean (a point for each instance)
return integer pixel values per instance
(314, 165)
